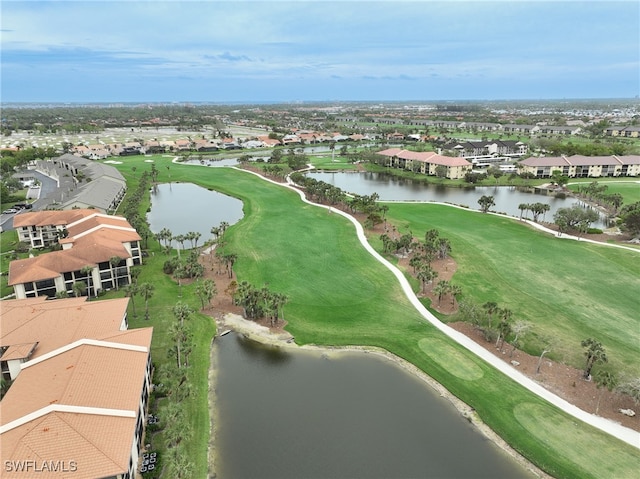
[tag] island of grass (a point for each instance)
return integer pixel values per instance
(339, 295)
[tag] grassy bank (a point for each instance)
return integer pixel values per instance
(340, 296)
(567, 290)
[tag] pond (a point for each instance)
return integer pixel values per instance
(185, 207)
(391, 188)
(294, 414)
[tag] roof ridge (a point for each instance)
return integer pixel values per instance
(66, 408)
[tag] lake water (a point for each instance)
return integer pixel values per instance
(392, 188)
(306, 414)
(185, 207)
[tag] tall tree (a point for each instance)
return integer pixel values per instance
(130, 291)
(206, 290)
(441, 289)
(114, 261)
(595, 354)
(146, 290)
(486, 202)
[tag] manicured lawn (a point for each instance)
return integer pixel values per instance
(8, 241)
(629, 188)
(339, 295)
(568, 290)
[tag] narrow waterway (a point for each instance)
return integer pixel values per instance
(307, 414)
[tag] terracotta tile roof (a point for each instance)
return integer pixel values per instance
(87, 375)
(96, 443)
(425, 156)
(19, 351)
(53, 324)
(76, 399)
(579, 160)
(545, 161)
(51, 265)
(50, 217)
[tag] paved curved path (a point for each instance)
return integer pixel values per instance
(617, 430)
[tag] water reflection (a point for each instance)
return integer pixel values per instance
(308, 414)
(391, 188)
(185, 207)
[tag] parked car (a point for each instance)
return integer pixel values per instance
(10, 211)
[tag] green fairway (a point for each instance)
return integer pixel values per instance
(629, 188)
(339, 295)
(568, 290)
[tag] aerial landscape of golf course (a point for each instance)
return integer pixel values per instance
(339, 295)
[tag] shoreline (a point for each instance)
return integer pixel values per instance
(264, 335)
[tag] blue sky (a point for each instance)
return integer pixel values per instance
(352, 50)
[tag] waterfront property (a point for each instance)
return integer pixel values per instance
(90, 242)
(79, 402)
(426, 162)
(578, 166)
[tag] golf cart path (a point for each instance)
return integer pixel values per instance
(617, 430)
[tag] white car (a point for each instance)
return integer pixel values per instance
(10, 211)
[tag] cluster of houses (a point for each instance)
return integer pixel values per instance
(514, 128)
(101, 151)
(576, 166)
(79, 378)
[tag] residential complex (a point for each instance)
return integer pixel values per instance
(97, 249)
(81, 384)
(578, 166)
(426, 162)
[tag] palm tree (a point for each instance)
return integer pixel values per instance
(182, 311)
(130, 291)
(180, 240)
(595, 354)
(114, 261)
(605, 380)
(178, 334)
(87, 270)
(205, 291)
(441, 289)
(504, 327)
(455, 290)
(491, 308)
(426, 275)
(146, 291)
(523, 207)
(79, 287)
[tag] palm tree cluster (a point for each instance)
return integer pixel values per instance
(320, 191)
(536, 209)
(596, 193)
(131, 206)
(260, 303)
(495, 323)
(422, 256)
(325, 193)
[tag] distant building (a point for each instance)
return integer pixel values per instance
(426, 162)
(578, 166)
